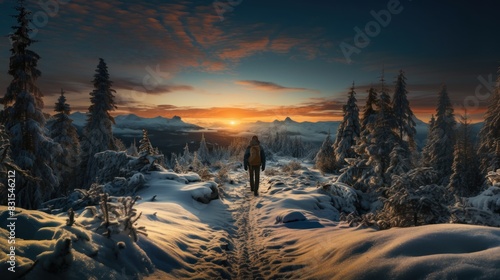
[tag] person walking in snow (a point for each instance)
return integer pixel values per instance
(254, 161)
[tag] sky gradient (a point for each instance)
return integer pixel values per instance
(210, 62)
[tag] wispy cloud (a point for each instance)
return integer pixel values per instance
(269, 86)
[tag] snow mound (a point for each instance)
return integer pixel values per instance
(203, 192)
(445, 251)
(46, 248)
(290, 216)
(61, 258)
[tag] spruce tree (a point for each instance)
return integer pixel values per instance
(466, 179)
(369, 112)
(384, 138)
(405, 124)
(490, 132)
(369, 118)
(145, 147)
(441, 139)
(97, 132)
(64, 133)
(325, 159)
(350, 130)
(31, 149)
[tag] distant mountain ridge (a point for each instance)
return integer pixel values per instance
(134, 122)
(308, 131)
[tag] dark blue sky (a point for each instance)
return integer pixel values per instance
(264, 59)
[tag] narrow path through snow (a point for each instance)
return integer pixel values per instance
(249, 258)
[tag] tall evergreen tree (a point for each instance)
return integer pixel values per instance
(350, 130)
(97, 132)
(384, 136)
(405, 124)
(466, 179)
(369, 113)
(490, 132)
(441, 139)
(145, 147)
(23, 118)
(64, 133)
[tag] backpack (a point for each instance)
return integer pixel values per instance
(254, 158)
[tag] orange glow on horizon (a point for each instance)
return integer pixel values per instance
(232, 117)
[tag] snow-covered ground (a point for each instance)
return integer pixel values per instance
(290, 231)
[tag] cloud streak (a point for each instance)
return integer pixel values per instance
(269, 86)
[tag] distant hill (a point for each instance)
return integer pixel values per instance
(309, 131)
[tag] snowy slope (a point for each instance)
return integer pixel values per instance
(290, 231)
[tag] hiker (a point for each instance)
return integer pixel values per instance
(253, 161)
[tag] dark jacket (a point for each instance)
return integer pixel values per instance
(262, 156)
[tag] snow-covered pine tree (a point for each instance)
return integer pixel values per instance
(31, 149)
(466, 179)
(369, 118)
(196, 164)
(403, 114)
(441, 139)
(400, 159)
(203, 154)
(132, 150)
(97, 132)
(145, 147)
(340, 132)
(325, 159)
(350, 130)
(384, 138)
(369, 113)
(64, 133)
(186, 157)
(360, 173)
(490, 132)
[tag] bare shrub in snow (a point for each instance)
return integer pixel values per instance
(271, 172)
(222, 175)
(291, 167)
(204, 173)
(119, 216)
